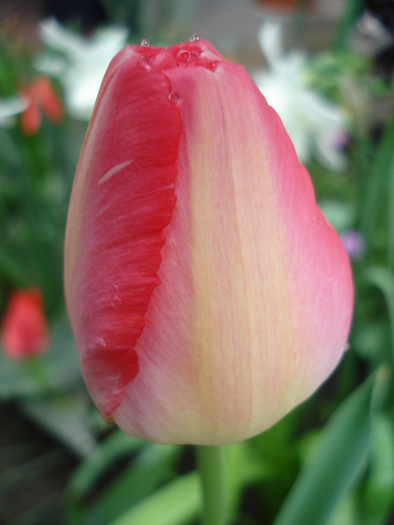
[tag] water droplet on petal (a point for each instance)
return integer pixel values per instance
(116, 286)
(117, 298)
(184, 57)
(173, 96)
(102, 341)
(112, 304)
(213, 65)
(144, 62)
(195, 37)
(242, 68)
(144, 42)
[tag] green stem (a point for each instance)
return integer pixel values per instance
(351, 11)
(210, 462)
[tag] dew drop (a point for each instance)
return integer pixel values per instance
(116, 286)
(183, 56)
(102, 341)
(117, 298)
(195, 37)
(213, 65)
(173, 96)
(144, 62)
(112, 304)
(144, 42)
(241, 68)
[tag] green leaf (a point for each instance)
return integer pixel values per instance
(379, 493)
(65, 417)
(150, 468)
(336, 459)
(383, 279)
(116, 446)
(378, 183)
(352, 9)
(175, 504)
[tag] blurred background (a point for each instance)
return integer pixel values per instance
(327, 67)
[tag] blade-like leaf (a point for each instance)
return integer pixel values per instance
(343, 446)
(65, 417)
(153, 466)
(383, 279)
(116, 446)
(378, 181)
(175, 504)
(379, 493)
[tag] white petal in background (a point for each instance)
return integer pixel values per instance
(316, 125)
(82, 63)
(9, 107)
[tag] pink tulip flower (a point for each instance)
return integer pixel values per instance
(207, 293)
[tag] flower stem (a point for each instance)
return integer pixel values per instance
(210, 461)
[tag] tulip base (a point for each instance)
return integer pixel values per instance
(210, 462)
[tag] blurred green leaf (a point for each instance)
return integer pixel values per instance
(371, 341)
(345, 512)
(343, 446)
(377, 185)
(65, 417)
(383, 279)
(175, 504)
(378, 497)
(116, 446)
(151, 467)
(352, 9)
(12, 270)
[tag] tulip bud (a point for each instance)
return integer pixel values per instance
(207, 293)
(24, 327)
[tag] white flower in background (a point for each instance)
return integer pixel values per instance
(314, 124)
(9, 107)
(83, 65)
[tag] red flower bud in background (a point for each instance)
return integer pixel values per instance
(24, 327)
(43, 98)
(207, 293)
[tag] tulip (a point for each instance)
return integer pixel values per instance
(42, 97)
(24, 327)
(207, 293)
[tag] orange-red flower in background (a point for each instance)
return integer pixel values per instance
(24, 327)
(43, 98)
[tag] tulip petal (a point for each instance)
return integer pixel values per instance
(123, 198)
(254, 303)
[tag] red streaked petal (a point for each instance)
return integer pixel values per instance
(123, 198)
